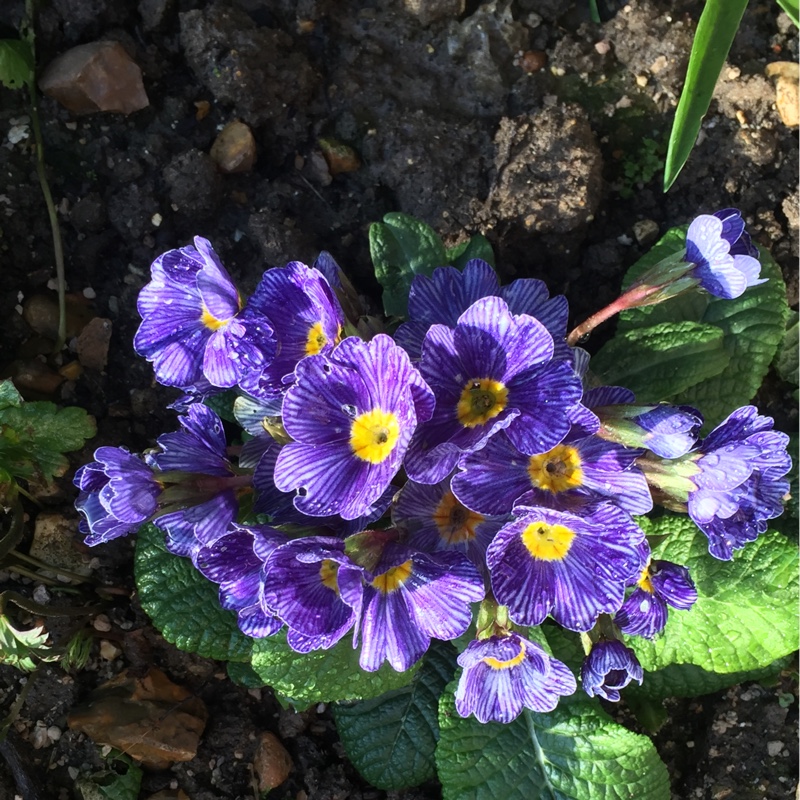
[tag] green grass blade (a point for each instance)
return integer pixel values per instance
(712, 41)
(791, 8)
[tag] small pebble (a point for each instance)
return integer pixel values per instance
(109, 651)
(774, 748)
(645, 231)
(101, 623)
(41, 595)
(89, 293)
(54, 733)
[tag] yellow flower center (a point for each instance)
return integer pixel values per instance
(644, 581)
(328, 573)
(558, 470)
(316, 339)
(374, 434)
(496, 663)
(210, 321)
(547, 542)
(393, 579)
(480, 401)
(455, 522)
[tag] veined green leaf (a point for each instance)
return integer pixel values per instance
(321, 676)
(576, 752)
(745, 616)
(184, 605)
(16, 63)
(712, 41)
(391, 739)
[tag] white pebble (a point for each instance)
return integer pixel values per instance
(774, 748)
(89, 293)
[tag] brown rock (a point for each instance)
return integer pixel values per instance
(272, 764)
(787, 101)
(150, 718)
(54, 543)
(234, 150)
(40, 311)
(34, 378)
(93, 344)
(339, 157)
(100, 76)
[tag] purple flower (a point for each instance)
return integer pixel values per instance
(726, 263)
(576, 472)
(738, 483)
(306, 318)
(191, 327)
(351, 416)
(661, 584)
(573, 568)
(668, 431)
(410, 598)
(504, 674)
(448, 293)
(609, 667)
(315, 589)
(236, 562)
(434, 520)
(201, 505)
(494, 370)
(118, 493)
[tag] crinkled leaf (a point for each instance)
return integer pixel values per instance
(688, 680)
(663, 360)
(476, 247)
(745, 616)
(184, 605)
(9, 396)
(33, 437)
(391, 739)
(321, 676)
(19, 648)
(402, 247)
(576, 752)
(752, 327)
(787, 363)
(718, 24)
(242, 673)
(109, 784)
(16, 63)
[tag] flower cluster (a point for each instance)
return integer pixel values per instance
(463, 460)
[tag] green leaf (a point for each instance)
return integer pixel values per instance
(222, 404)
(576, 752)
(242, 673)
(688, 680)
(745, 616)
(476, 247)
(321, 676)
(184, 605)
(19, 648)
(788, 358)
(752, 327)
(33, 436)
(16, 63)
(109, 784)
(718, 24)
(391, 739)
(792, 9)
(9, 396)
(663, 360)
(401, 248)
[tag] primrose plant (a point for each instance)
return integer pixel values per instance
(451, 532)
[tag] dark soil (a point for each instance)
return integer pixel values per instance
(522, 120)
